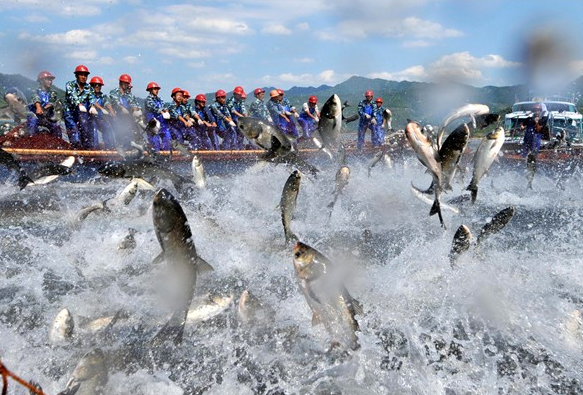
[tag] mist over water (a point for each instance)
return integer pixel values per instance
(504, 320)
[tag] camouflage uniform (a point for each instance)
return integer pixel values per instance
(239, 106)
(48, 118)
(79, 128)
(224, 130)
(124, 124)
(101, 122)
(258, 109)
(206, 135)
(378, 133)
(153, 110)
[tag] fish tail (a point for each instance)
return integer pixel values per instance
(474, 190)
(436, 209)
(23, 181)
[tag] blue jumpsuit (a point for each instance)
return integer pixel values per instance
(306, 122)
(101, 122)
(34, 122)
(224, 130)
(365, 108)
(79, 129)
(153, 110)
(378, 133)
(206, 135)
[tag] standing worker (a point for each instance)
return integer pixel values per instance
(126, 111)
(78, 98)
(367, 117)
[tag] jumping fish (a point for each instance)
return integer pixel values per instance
(90, 375)
(461, 243)
(427, 155)
(327, 135)
(496, 224)
(342, 176)
(484, 157)
(198, 173)
(469, 110)
(62, 327)
(287, 203)
(326, 295)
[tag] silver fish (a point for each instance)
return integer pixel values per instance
(342, 176)
(427, 155)
(251, 311)
(496, 224)
(461, 243)
(387, 120)
(178, 250)
(287, 203)
(327, 134)
(198, 173)
(90, 375)
(484, 157)
(326, 295)
(62, 327)
(451, 152)
(469, 110)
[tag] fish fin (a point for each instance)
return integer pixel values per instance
(356, 306)
(158, 258)
(436, 209)
(316, 319)
(24, 180)
(203, 266)
(143, 184)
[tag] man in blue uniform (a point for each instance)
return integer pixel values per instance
(205, 125)
(43, 102)
(258, 108)
(126, 111)
(237, 107)
(78, 98)
(378, 133)
(367, 117)
(309, 117)
(225, 125)
(155, 108)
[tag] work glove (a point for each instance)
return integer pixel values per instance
(288, 113)
(138, 113)
(316, 119)
(296, 115)
(374, 121)
(166, 115)
(367, 116)
(190, 122)
(200, 122)
(82, 108)
(124, 111)
(232, 124)
(105, 112)
(157, 125)
(93, 111)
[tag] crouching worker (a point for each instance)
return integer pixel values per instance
(44, 102)
(156, 109)
(126, 112)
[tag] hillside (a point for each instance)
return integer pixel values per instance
(426, 102)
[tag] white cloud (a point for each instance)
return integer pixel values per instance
(131, 59)
(416, 44)
(72, 37)
(82, 56)
(306, 79)
(197, 65)
(105, 60)
(302, 27)
(414, 73)
(277, 29)
(416, 27)
(36, 18)
(304, 60)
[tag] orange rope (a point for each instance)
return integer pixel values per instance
(7, 373)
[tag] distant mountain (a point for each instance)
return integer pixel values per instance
(425, 102)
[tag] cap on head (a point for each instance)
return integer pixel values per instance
(258, 91)
(81, 69)
(274, 93)
(152, 85)
(175, 91)
(313, 99)
(280, 92)
(200, 97)
(96, 81)
(368, 94)
(238, 90)
(186, 94)
(125, 78)
(220, 93)
(45, 74)
(379, 100)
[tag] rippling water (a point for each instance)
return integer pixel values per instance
(505, 320)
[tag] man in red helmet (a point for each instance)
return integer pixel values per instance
(367, 115)
(99, 113)
(225, 125)
(179, 122)
(237, 107)
(78, 98)
(206, 132)
(155, 108)
(258, 109)
(377, 135)
(44, 101)
(127, 112)
(309, 117)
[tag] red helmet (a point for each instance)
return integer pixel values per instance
(280, 92)
(258, 91)
(220, 93)
(238, 90)
(152, 85)
(368, 94)
(81, 69)
(243, 95)
(125, 78)
(175, 91)
(200, 97)
(313, 99)
(379, 100)
(186, 94)
(96, 80)
(44, 74)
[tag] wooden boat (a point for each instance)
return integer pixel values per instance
(46, 148)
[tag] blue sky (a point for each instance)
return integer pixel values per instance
(203, 46)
